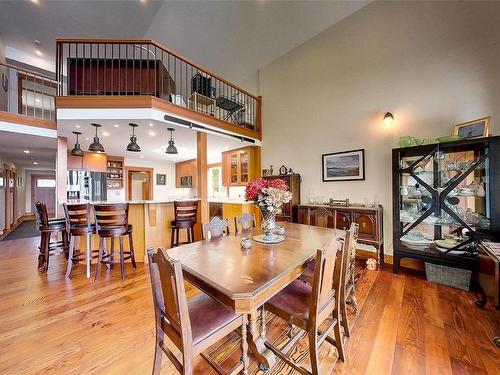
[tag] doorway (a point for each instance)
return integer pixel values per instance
(139, 183)
(43, 188)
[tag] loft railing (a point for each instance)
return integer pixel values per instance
(144, 67)
(27, 92)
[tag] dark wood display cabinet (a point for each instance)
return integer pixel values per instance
(369, 219)
(289, 210)
(446, 199)
(119, 77)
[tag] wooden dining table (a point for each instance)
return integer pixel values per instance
(244, 280)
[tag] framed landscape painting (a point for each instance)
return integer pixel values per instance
(473, 129)
(344, 166)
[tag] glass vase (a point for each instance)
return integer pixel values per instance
(268, 224)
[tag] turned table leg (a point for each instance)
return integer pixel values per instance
(256, 341)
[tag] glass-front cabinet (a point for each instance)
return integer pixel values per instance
(445, 200)
(238, 166)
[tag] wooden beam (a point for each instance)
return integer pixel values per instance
(61, 173)
(201, 170)
(27, 120)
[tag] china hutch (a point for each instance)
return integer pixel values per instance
(446, 198)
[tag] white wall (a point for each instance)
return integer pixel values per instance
(432, 64)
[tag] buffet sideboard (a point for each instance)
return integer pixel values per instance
(369, 219)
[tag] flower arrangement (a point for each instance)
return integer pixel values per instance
(270, 195)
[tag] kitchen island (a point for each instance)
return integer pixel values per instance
(151, 225)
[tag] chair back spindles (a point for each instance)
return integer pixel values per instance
(185, 210)
(112, 215)
(216, 228)
(77, 215)
(245, 222)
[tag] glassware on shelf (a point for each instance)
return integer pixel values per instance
(481, 191)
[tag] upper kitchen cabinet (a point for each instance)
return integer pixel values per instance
(238, 166)
(90, 162)
(185, 174)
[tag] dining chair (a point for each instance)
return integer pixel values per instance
(216, 227)
(49, 228)
(309, 306)
(245, 222)
(191, 325)
(348, 290)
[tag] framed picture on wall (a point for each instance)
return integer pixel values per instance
(344, 166)
(161, 179)
(473, 129)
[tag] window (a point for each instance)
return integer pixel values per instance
(45, 183)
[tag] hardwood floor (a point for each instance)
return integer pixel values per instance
(52, 325)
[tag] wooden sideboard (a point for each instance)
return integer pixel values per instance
(289, 211)
(369, 219)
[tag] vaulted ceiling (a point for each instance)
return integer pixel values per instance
(231, 38)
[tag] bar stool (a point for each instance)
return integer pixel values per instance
(47, 228)
(79, 225)
(185, 218)
(111, 221)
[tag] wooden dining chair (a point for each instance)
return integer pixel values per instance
(348, 290)
(215, 228)
(191, 325)
(308, 307)
(244, 222)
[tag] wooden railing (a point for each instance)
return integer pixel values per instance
(28, 93)
(144, 67)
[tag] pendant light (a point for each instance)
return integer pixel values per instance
(77, 151)
(96, 145)
(133, 146)
(171, 149)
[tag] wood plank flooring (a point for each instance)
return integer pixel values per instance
(52, 325)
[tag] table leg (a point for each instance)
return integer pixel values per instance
(256, 341)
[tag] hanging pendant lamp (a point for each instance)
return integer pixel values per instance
(96, 145)
(171, 149)
(77, 151)
(133, 146)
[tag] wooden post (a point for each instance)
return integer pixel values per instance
(61, 173)
(201, 170)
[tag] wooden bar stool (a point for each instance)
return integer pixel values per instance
(79, 225)
(185, 218)
(111, 221)
(49, 227)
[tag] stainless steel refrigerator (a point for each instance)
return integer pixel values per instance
(87, 186)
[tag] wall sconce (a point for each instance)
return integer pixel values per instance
(388, 119)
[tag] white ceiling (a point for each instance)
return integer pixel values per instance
(42, 150)
(152, 137)
(231, 38)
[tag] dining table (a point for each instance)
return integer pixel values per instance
(244, 279)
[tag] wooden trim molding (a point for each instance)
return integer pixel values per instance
(27, 120)
(127, 169)
(147, 101)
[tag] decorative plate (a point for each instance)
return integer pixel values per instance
(449, 138)
(261, 239)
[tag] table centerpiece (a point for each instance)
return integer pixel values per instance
(269, 196)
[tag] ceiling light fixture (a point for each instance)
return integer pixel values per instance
(171, 149)
(35, 163)
(96, 145)
(152, 133)
(133, 146)
(106, 134)
(151, 124)
(77, 151)
(77, 126)
(388, 119)
(38, 52)
(26, 151)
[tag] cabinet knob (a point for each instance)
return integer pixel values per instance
(363, 225)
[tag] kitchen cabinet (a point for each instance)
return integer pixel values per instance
(232, 210)
(238, 166)
(186, 169)
(90, 162)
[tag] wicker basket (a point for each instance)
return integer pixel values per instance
(449, 276)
